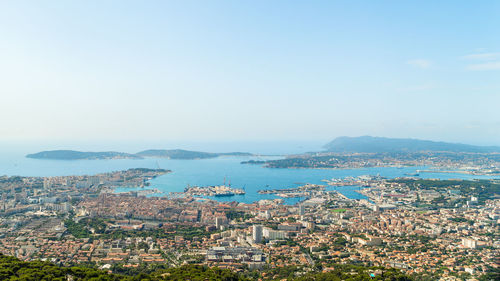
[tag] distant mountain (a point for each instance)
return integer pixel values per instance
(368, 144)
(79, 155)
(160, 153)
(186, 154)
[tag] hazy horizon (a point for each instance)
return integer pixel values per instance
(260, 71)
(269, 147)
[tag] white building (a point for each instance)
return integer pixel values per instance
(257, 233)
(302, 210)
(274, 234)
(469, 243)
(219, 221)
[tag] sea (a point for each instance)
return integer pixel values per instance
(204, 172)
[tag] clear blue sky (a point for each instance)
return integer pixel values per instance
(249, 70)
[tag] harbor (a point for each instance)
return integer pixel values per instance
(215, 190)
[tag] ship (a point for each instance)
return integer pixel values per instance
(224, 193)
(225, 190)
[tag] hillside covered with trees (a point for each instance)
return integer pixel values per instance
(12, 268)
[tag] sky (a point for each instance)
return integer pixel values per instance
(249, 70)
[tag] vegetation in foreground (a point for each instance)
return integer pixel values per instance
(14, 269)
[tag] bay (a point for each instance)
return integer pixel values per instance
(210, 172)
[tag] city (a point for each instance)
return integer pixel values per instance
(249, 140)
(434, 228)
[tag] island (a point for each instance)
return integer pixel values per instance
(254, 162)
(186, 154)
(80, 155)
(159, 153)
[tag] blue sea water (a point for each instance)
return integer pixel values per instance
(208, 172)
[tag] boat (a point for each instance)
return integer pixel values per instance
(223, 194)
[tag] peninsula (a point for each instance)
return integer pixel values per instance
(366, 151)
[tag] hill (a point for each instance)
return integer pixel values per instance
(186, 154)
(368, 144)
(80, 155)
(175, 154)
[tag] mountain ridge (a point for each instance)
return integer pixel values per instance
(369, 144)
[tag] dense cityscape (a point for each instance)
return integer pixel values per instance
(425, 229)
